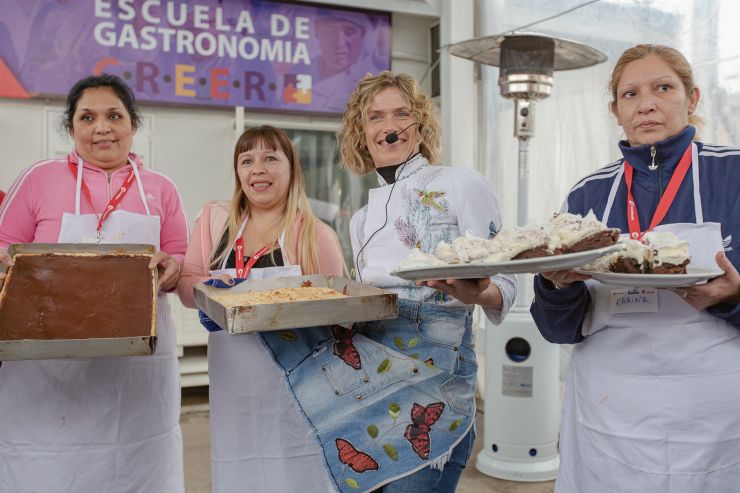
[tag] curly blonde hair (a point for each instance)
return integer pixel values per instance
(351, 137)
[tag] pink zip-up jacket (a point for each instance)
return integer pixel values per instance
(33, 207)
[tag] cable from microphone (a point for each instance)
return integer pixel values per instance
(392, 137)
(389, 139)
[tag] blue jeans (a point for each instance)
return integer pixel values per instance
(430, 480)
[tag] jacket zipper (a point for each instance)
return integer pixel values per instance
(653, 166)
(110, 177)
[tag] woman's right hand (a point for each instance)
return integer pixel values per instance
(225, 278)
(564, 278)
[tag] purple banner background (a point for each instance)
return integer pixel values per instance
(252, 53)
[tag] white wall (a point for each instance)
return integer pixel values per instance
(195, 149)
(21, 137)
(458, 87)
(410, 46)
(191, 146)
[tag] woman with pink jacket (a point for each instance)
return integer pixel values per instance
(96, 424)
(259, 440)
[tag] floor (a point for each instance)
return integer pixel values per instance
(196, 435)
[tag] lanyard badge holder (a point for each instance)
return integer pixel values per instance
(114, 202)
(633, 219)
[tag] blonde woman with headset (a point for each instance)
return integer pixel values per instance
(392, 128)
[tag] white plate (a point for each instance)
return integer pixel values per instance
(529, 265)
(693, 276)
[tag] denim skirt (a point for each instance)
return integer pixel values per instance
(385, 398)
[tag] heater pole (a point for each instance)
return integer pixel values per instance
(522, 190)
(522, 396)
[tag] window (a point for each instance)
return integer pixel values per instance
(434, 32)
(335, 193)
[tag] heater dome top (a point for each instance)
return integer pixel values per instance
(492, 50)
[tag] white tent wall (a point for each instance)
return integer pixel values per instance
(574, 131)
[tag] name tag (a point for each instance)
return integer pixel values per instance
(635, 300)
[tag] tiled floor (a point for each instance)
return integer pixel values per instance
(195, 428)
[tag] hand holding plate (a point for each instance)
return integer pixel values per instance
(469, 291)
(721, 289)
(564, 278)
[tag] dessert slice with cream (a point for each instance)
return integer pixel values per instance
(670, 254)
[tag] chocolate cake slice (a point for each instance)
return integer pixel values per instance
(599, 239)
(671, 268)
(536, 252)
(634, 258)
(572, 233)
(670, 254)
(531, 242)
(626, 265)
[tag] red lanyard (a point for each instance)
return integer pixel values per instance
(242, 271)
(633, 220)
(114, 202)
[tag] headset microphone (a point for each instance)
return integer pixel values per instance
(392, 137)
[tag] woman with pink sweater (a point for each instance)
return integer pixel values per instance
(96, 424)
(259, 440)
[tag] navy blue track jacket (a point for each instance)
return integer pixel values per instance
(559, 314)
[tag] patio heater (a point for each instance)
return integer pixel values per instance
(522, 398)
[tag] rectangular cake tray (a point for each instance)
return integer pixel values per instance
(364, 302)
(27, 349)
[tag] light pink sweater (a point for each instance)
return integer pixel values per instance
(207, 234)
(32, 210)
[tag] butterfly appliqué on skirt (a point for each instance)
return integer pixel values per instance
(356, 460)
(344, 347)
(422, 419)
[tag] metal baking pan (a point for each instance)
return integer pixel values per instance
(364, 302)
(32, 348)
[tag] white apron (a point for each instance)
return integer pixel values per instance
(260, 442)
(94, 425)
(653, 399)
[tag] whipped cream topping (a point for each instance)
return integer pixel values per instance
(631, 249)
(470, 247)
(655, 249)
(666, 247)
(568, 229)
(447, 253)
(562, 230)
(601, 264)
(635, 250)
(417, 258)
(509, 243)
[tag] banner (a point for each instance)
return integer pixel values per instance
(258, 54)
